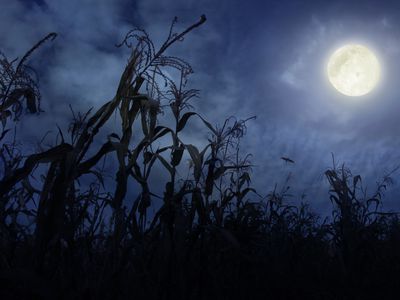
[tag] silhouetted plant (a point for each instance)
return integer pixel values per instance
(68, 231)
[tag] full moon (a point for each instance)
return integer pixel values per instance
(353, 70)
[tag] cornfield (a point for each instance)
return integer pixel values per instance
(66, 232)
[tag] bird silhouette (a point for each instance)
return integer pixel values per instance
(286, 159)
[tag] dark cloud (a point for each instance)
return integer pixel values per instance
(263, 58)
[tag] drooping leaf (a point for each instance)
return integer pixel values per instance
(182, 122)
(195, 155)
(177, 154)
(165, 163)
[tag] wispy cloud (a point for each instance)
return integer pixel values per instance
(265, 59)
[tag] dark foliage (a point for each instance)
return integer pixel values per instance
(67, 233)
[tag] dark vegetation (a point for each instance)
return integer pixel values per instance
(65, 233)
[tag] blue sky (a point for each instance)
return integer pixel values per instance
(263, 58)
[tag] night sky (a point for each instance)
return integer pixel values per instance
(263, 58)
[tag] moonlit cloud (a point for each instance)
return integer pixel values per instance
(266, 58)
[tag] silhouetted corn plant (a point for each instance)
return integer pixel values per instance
(68, 231)
(19, 83)
(358, 222)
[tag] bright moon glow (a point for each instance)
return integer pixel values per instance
(353, 70)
